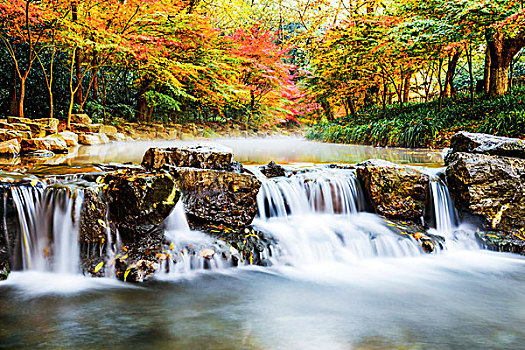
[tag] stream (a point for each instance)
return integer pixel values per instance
(340, 278)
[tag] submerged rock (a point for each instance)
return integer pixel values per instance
(202, 157)
(503, 242)
(394, 191)
(272, 170)
(487, 144)
(492, 187)
(218, 196)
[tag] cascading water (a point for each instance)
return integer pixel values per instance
(334, 192)
(444, 215)
(316, 218)
(189, 250)
(49, 218)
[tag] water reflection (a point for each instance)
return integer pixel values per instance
(282, 150)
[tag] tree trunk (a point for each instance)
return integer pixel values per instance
(78, 67)
(471, 74)
(23, 80)
(351, 105)
(502, 50)
(13, 97)
(486, 71)
(406, 88)
(327, 109)
(451, 71)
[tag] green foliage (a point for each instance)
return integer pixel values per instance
(422, 125)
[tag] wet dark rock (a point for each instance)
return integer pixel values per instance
(201, 157)
(93, 230)
(394, 191)
(492, 187)
(218, 196)
(429, 243)
(139, 202)
(487, 144)
(272, 170)
(4, 269)
(246, 245)
(135, 272)
(503, 241)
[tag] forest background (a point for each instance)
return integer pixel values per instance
(391, 73)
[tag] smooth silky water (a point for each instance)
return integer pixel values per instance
(340, 278)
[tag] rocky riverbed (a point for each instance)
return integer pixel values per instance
(122, 209)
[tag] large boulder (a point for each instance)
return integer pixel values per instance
(70, 137)
(12, 120)
(80, 119)
(492, 187)
(202, 157)
(15, 126)
(394, 191)
(6, 135)
(218, 196)
(91, 139)
(52, 144)
(50, 124)
(139, 202)
(487, 144)
(86, 128)
(37, 130)
(11, 147)
(108, 129)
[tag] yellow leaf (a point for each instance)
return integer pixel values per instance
(172, 246)
(102, 223)
(98, 267)
(127, 273)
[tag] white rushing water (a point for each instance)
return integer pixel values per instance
(190, 250)
(317, 217)
(314, 216)
(444, 215)
(49, 219)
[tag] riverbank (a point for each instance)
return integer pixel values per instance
(425, 124)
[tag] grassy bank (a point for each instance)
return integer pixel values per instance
(423, 125)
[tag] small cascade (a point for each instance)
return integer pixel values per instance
(313, 239)
(445, 215)
(189, 250)
(49, 218)
(329, 192)
(316, 217)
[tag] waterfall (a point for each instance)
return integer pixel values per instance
(317, 217)
(49, 219)
(445, 216)
(329, 192)
(190, 250)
